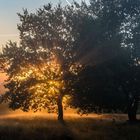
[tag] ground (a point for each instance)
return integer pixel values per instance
(43, 126)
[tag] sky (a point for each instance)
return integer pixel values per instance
(9, 18)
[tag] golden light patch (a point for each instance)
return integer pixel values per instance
(3, 77)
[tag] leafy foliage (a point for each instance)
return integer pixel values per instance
(110, 83)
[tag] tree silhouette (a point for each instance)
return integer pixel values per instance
(41, 67)
(111, 82)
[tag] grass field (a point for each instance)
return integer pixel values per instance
(46, 127)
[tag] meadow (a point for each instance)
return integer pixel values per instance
(43, 126)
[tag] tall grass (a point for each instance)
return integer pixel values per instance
(45, 127)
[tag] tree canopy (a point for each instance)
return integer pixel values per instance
(41, 67)
(112, 82)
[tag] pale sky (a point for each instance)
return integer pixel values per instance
(9, 18)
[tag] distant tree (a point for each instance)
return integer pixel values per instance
(130, 41)
(111, 82)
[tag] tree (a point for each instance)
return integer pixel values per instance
(112, 79)
(130, 31)
(41, 67)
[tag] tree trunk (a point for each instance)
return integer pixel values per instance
(132, 110)
(60, 108)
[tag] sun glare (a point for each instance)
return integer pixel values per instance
(45, 81)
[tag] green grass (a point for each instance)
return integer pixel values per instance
(45, 127)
